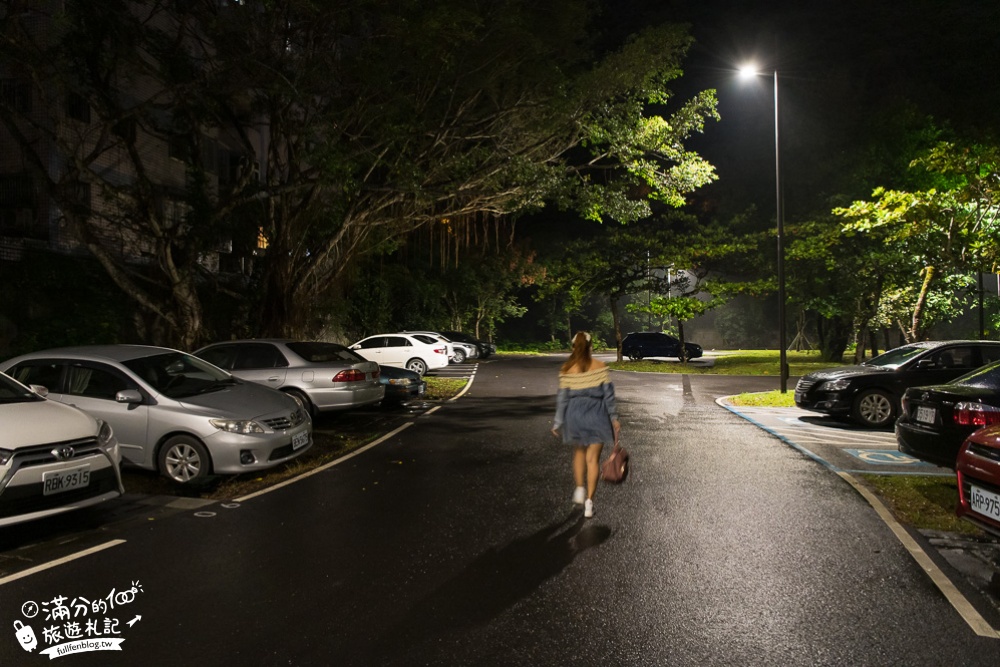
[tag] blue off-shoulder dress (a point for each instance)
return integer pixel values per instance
(585, 407)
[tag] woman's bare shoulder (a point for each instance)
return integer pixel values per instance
(596, 364)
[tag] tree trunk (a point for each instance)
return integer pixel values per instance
(837, 333)
(916, 332)
(616, 318)
(683, 353)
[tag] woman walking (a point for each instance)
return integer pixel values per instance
(586, 414)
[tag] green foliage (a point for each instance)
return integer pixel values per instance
(933, 237)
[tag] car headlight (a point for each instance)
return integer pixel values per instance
(835, 385)
(237, 425)
(105, 435)
(402, 381)
(5, 456)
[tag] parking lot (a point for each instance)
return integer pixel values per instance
(837, 443)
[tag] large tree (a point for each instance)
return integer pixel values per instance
(356, 122)
(939, 231)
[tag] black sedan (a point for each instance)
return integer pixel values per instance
(936, 420)
(644, 344)
(485, 348)
(870, 393)
(400, 384)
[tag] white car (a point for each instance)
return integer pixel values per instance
(403, 351)
(458, 352)
(53, 457)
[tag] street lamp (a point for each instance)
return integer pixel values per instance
(746, 72)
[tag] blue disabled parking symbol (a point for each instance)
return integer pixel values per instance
(885, 457)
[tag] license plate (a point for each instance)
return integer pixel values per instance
(925, 415)
(984, 502)
(59, 481)
(300, 440)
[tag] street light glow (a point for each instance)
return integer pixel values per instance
(745, 72)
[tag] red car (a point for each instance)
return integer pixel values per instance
(978, 471)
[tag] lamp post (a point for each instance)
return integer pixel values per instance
(747, 72)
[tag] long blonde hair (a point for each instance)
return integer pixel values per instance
(580, 356)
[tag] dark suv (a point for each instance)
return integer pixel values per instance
(485, 348)
(870, 393)
(637, 346)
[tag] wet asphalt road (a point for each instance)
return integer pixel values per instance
(455, 543)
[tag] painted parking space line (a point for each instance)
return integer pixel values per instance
(59, 561)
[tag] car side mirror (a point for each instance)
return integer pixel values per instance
(129, 396)
(39, 389)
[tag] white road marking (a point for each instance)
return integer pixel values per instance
(375, 443)
(964, 608)
(287, 482)
(59, 561)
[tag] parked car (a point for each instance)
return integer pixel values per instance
(870, 393)
(485, 348)
(459, 351)
(53, 457)
(171, 411)
(403, 351)
(936, 420)
(401, 384)
(644, 344)
(978, 474)
(320, 376)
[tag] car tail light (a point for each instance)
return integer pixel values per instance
(975, 414)
(377, 373)
(352, 375)
(441, 350)
(905, 402)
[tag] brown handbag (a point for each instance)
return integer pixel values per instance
(615, 467)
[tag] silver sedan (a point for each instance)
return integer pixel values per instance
(320, 376)
(171, 411)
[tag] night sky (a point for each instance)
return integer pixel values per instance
(841, 64)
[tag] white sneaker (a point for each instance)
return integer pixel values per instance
(588, 508)
(579, 495)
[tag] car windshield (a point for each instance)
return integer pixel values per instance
(987, 377)
(318, 353)
(15, 392)
(424, 338)
(895, 358)
(179, 375)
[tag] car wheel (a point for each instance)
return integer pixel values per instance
(183, 459)
(635, 355)
(303, 401)
(874, 408)
(459, 356)
(417, 366)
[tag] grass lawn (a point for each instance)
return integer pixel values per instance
(738, 362)
(922, 502)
